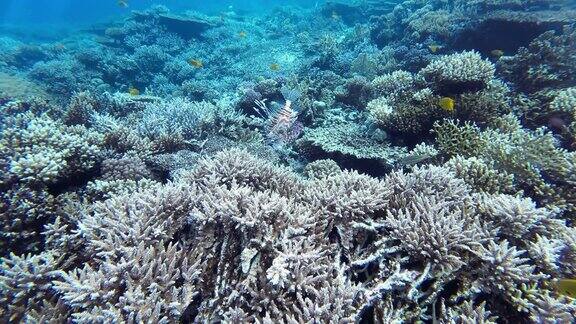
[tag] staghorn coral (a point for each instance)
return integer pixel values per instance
(182, 118)
(239, 166)
(467, 312)
(23, 211)
(42, 149)
(516, 217)
(458, 73)
(26, 282)
(563, 108)
(565, 102)
(240, 239)
(42, 156)
(125, 168)
(321, 168)
(81, 108)
(455, 139)
(531, 156)
(150, 275)
(506, 270)
(480, 175)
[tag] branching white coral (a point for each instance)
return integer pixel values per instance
(465, 67)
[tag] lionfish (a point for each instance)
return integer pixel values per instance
(282, 126)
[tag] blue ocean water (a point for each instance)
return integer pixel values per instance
(69, 12)
(288, 161)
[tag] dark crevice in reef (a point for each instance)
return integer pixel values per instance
(73, 182)
(511, 35)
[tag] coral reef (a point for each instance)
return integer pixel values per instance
(351, 162)
(533, 157)
(459, 72)
(238, 238)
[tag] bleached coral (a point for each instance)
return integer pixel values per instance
(159, 281)
(321, 169)
(380, 109)
(180, 117)
(462, 70)
(393, 84)
(39, 152)
(127, 167)
(350, 140)
(506, 268)
(26, 282)
(426, 214)
(516, 217)
(433, 232)
(238, 238)
(43, 149)
(467, 312)
(243, 168)
(105, 189)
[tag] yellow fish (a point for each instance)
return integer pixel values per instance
(274, 66)
(196, 63)
(434, 48)
(123, 3)
(567, 287)
(447, 104)
(133, 91)
(497, 53)
(242, 34)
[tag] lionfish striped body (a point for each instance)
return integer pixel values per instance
(282, 123)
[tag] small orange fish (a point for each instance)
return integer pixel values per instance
(242, 34)
(123, 3)
(434, 48)
(497, 53)
(196, 63)
(133, 91)
(275, 67)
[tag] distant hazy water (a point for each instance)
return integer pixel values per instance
(82, 12)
